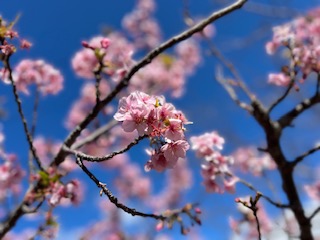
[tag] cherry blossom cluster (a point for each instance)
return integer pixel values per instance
(116, 59)
(157, 76)
(215, 168)
(11, 175)
(113, 52)
(82, 106)
(142, 26)
(250, 160)
(47, 79)
(246, 227)
(152, 116)
(7, 37)
(301, 36)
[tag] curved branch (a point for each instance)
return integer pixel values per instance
(7, 66)
(90, 158)
(307, 153)
(286, 119)
(112, 198)
(95, 134)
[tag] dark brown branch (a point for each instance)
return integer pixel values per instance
(7, 66)
(251, 187)
(255, 209)
(33, 125)
(97, 75)
(95, 134)
(286, 119)
(291, 84)
(307, 153)
(90, 158)
(112, 198)
(315, 212)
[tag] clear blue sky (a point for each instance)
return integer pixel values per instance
(56, 29)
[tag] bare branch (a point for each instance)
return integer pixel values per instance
(292, 74)
(229, 89)
(251, 187)
(112, 198)
(307, 153)
(286, 119)
(95, 135)
(315, 212)
(90, 158)
(7, 66)
(97, 75)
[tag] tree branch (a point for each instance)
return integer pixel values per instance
(307, 153)
(112, 198)
(315, 212)
(95, 134)
(90, 158)
(286, 119)
(7, 66)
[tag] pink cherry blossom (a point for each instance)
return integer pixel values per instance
(215, 169)
(250, 160)
(152, 116)
(47, 79)
(117, 56)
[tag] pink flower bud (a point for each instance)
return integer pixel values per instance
(105, 43)
(24, 44)
(159, 226)
(85, 44)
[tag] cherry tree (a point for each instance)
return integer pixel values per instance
(131, 81)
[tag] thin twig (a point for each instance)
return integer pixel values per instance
(291, 84)
(33, 125)
(229, 89)
(97, 75)
(307, 153)
(7, 66)
(287, 118)
(95, 134)
(251, 187)
(90, 158)
(255, 209)
(112, 198)
(229, 65)
(315, 212)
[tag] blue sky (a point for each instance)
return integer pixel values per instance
(57, 28)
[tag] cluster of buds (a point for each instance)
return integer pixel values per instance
(173, 216)
(301, 37)
(7, 35)
(54, 190)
